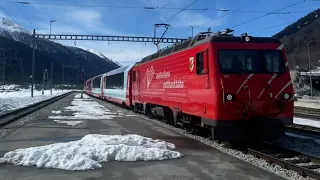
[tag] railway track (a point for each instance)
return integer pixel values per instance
(305, 165)
(303, 130)
(14, 115)
(309, 113)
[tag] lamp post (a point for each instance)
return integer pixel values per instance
(51, 61)
(44, 78)
(51, 24)
(310, 73)
(82, 79)
(191, 31)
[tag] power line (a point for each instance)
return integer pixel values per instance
(229, 13)
(9, 15)
(146, 21)
(180, 11)
(270, 27)
(276, 11)
(20, 10)
(151, 30)
(163, 22)
(142, 7)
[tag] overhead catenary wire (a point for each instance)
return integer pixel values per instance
(273, 12)
(242, 7)
(270, 27)
(143, 22)
(24, 14)
(9, 15)
(142, 7)
(163, 22)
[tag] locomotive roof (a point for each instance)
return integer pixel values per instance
(201, 39)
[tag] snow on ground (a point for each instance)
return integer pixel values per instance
(86, 108)
(308, 104)
(70, 123)
(55, 112)
(306, 122)
(27, 93)
(91, 150)
(19, 99)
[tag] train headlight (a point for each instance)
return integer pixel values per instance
(286, 96)
(229, 97)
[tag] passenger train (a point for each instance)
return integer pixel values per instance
(228, 87)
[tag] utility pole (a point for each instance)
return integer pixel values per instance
(44, 78)
(82, 79)
(310, 75)
(3, 70)
(3, 67)
(33, 59)
(51, 61)
(51, 25)
(51, 77)
(191, 31)
(62, 74)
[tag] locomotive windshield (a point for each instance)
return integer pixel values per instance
(251, 61)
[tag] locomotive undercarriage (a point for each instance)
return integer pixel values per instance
(240, 130)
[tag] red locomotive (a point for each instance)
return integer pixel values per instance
(231, 87)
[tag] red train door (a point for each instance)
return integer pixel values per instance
(135, 86)
(202, 70)
(138, 85)
(199, 89)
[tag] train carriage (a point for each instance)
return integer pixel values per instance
(97, 83)
(88, 86)
(230, 87)
(235, 87)
(115, 86)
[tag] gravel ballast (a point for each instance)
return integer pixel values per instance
(288, 174)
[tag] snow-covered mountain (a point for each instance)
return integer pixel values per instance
(12, 34)
(103, 56)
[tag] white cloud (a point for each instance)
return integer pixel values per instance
(188, 18)
(84, 16)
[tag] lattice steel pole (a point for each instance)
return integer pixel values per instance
(33, 59)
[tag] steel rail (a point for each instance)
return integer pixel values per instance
(277, 155)
(308, 130)
(14, 115)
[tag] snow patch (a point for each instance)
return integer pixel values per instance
(85, 96)
(91, 150)
(55, 112)
(306, 122)
(70, 123)
(84, 109)
(19, 99)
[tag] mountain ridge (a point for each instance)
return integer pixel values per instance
(74, 59)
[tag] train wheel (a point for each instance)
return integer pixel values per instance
(169, 116)
(211, 135)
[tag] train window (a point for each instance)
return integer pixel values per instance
(251, 61)
(200, 63)
(134, 76)
(274, 62)
(115, 81)
(96, 82)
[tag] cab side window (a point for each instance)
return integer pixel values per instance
(134, 76)
(200, 63)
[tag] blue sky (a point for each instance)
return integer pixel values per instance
(95, 19)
